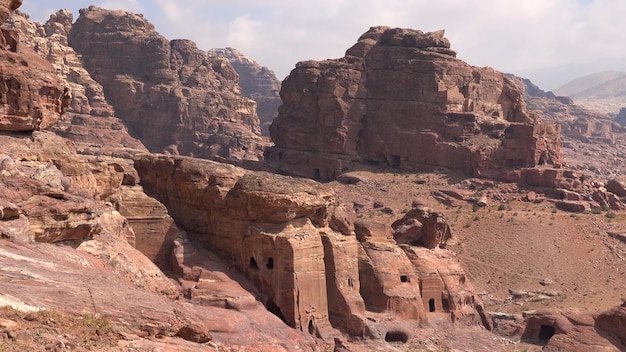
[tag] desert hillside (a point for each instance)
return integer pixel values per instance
(602, 92)
(407, 200)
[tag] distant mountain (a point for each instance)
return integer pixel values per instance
(602, 83)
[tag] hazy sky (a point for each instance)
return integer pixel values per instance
(509, 35)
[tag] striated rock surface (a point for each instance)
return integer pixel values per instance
(575, 330)
(278, 231)
(30, 92)
(257, 83)
(592, 141)
(89, 120)
(400, 98)
(613, 323)
(171, 95)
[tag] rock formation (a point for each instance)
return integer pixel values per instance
(621, 117)
(400, 98)
(89, 120)
(574, 329)
(31, 94)
(257, 83)
(172, 96)
(290, 239)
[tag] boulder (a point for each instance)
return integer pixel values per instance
(617, 186)
(422, 227)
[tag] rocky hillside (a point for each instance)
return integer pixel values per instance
(171, 95)
(257, 83)
(593, 142)
(603, 91)
(401, 98)
(88, 120)
(104, 246)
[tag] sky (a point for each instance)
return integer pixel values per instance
(548, 41)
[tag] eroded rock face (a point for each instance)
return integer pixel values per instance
(613, 323)
(257, 83)
(574, 329)
(279, 232)
(31, 92)
(401, 98)
(89, 120)
(171, 95)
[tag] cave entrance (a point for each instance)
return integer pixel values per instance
(546, 332)
(253, 264)
(445, 305)
(274, 309)
(396, 336)
(431, 305)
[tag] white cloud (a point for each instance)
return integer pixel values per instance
(507, 35)
(128, 5)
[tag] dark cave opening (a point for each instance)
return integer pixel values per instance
(396, 336)
(431, 305)
(274, 309)
(546, 332)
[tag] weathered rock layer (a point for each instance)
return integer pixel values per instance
(257, 83)
(286, 236)
(171, 95)
(401, 98)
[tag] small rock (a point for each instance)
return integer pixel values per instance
(545, 282)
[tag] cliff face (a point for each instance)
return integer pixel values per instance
(171, 95)
(310, 266)
(89, 120)
(257, 83)
(31, 94)
(400, 98)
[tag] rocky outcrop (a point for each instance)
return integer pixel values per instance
(312, 268)
(171, 96)
(31, 94)
(400, 98)
(422, 227)
(89, 121)
(621, 117)
(257, 83)
(574, 329)
(9, 38)
(613, 323)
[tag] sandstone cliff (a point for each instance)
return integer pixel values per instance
(257, 83)
(30, 93)
(285, 235)
(400, 98)
(89, 120)
(171, 95)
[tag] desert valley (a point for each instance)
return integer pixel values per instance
(158, 197)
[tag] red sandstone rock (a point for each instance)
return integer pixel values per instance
(613, 323)
(275, 229)
(572, 330)
(422, 227)
(617, 186)
(400, 98)
(171, 96)
(89, 121)
(30, 92)
(257, 83)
